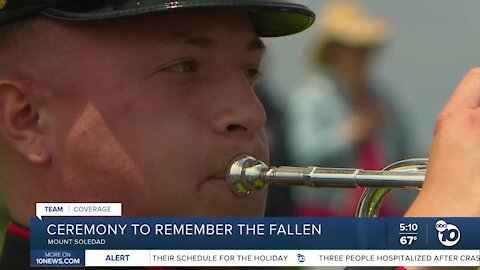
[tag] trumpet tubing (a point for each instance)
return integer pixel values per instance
(247, 174)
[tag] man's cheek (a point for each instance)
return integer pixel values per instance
(263, 140)
(91, 149)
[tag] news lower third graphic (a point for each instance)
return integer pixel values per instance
(101, 237)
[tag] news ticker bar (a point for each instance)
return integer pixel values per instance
(256, 258)
(122, 233)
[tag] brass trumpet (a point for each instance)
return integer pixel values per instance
(247, 174)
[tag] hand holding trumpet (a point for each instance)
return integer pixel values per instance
(452, 185)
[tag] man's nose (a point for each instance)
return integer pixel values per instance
(240, 111)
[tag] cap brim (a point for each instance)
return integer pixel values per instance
(16, 13)
(270, 18)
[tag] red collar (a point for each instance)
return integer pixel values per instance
(19, 230)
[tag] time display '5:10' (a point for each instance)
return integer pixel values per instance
(408, 227)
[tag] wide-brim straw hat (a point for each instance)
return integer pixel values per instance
(346, 23)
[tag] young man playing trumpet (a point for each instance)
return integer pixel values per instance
(141, 101)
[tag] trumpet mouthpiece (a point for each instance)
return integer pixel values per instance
(246, 174)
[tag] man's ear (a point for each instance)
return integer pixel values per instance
(19, 124)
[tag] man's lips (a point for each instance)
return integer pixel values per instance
(220, 175)
(218, 180)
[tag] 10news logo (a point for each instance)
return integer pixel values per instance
(448, 234)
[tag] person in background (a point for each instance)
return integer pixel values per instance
(339, 117)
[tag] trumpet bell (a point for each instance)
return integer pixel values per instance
(372, 198)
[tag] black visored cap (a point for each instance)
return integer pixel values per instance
(270, 18)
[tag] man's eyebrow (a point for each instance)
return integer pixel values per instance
(204, 42)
